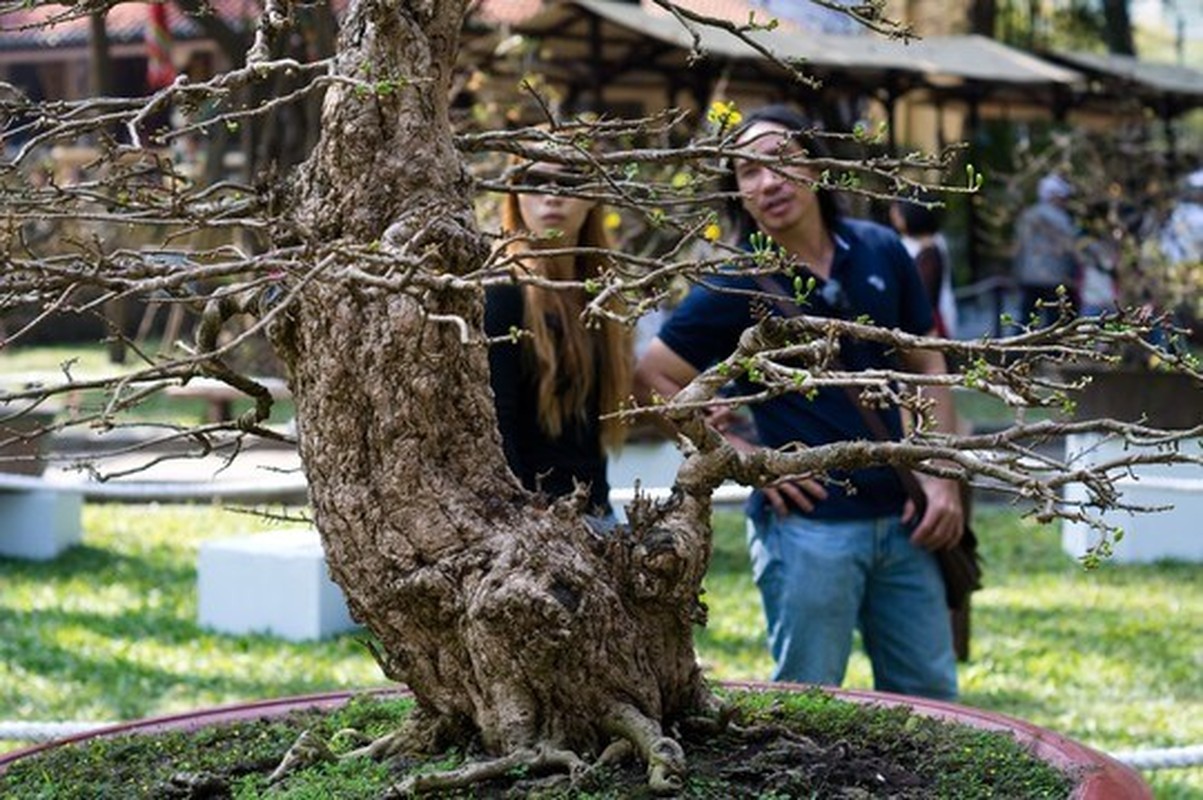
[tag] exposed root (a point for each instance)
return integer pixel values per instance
(665, 766)
(347, 737)
(665, 758)
(306, 750)
(423, 732)
(616, 752)
(390, 744)
(541, 759)
(713, 717)
(762, 731)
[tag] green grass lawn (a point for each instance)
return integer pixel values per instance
(88, 360)
(108, 631)
(49, 365)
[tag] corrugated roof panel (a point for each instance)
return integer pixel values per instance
(1155, 75)
(966, 58)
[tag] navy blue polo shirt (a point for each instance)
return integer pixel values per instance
(880, 282)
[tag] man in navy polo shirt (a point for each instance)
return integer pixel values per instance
(844, 552)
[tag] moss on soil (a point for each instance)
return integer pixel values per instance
(797, 745)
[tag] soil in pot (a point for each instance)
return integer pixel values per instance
(785, 745)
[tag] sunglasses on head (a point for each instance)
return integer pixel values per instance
(550, 179)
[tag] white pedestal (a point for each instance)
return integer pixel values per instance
(38, 524)
(1176, 533)
(273, 583)
(653, 464)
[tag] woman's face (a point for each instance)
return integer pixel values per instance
(777, 198)
(555, 218)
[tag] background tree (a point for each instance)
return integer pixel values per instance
(517, 626)
(1118, 27)
(982, 17)
(1064, 24)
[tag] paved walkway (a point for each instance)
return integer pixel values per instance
(270, 473)
(258, 474)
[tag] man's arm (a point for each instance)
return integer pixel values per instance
(661, 373)
(943, 522)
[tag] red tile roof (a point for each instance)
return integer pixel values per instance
(506, 12)
(513, 11)
(126, 22)
(729, 10)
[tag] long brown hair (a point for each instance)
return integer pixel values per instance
(565, 359)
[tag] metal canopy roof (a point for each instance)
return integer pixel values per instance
(1179, 87)
(626, 39)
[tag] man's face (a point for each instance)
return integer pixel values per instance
(777, 198)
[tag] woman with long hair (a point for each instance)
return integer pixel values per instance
(555, 381)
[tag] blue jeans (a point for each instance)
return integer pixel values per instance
(820, 579)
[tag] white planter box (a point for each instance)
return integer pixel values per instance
(274, 583)
(38, 522)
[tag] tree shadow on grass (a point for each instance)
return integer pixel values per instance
(106, 661)
(95, 564)
(115, 613)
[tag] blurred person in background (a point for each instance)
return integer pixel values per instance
(1046, 262)
(918, 223)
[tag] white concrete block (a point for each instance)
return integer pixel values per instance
(654, 464)
(38, 524)
(1175, 533)
(274, 583)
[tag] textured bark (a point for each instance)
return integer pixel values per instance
(509, 620)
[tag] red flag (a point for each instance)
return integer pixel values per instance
(159, 70)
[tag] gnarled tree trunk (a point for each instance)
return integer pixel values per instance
(509, 620)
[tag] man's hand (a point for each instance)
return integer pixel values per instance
(943, 521)
(787, 496)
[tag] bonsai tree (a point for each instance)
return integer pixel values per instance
(513, 622)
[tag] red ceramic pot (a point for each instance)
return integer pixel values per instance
(1099, 776)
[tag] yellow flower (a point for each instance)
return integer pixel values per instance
(612, 221)
(724, 114)
(680, 180)
(711, 232)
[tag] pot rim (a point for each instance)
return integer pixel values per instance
(1098, 775)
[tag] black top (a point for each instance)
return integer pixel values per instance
(542, 463)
